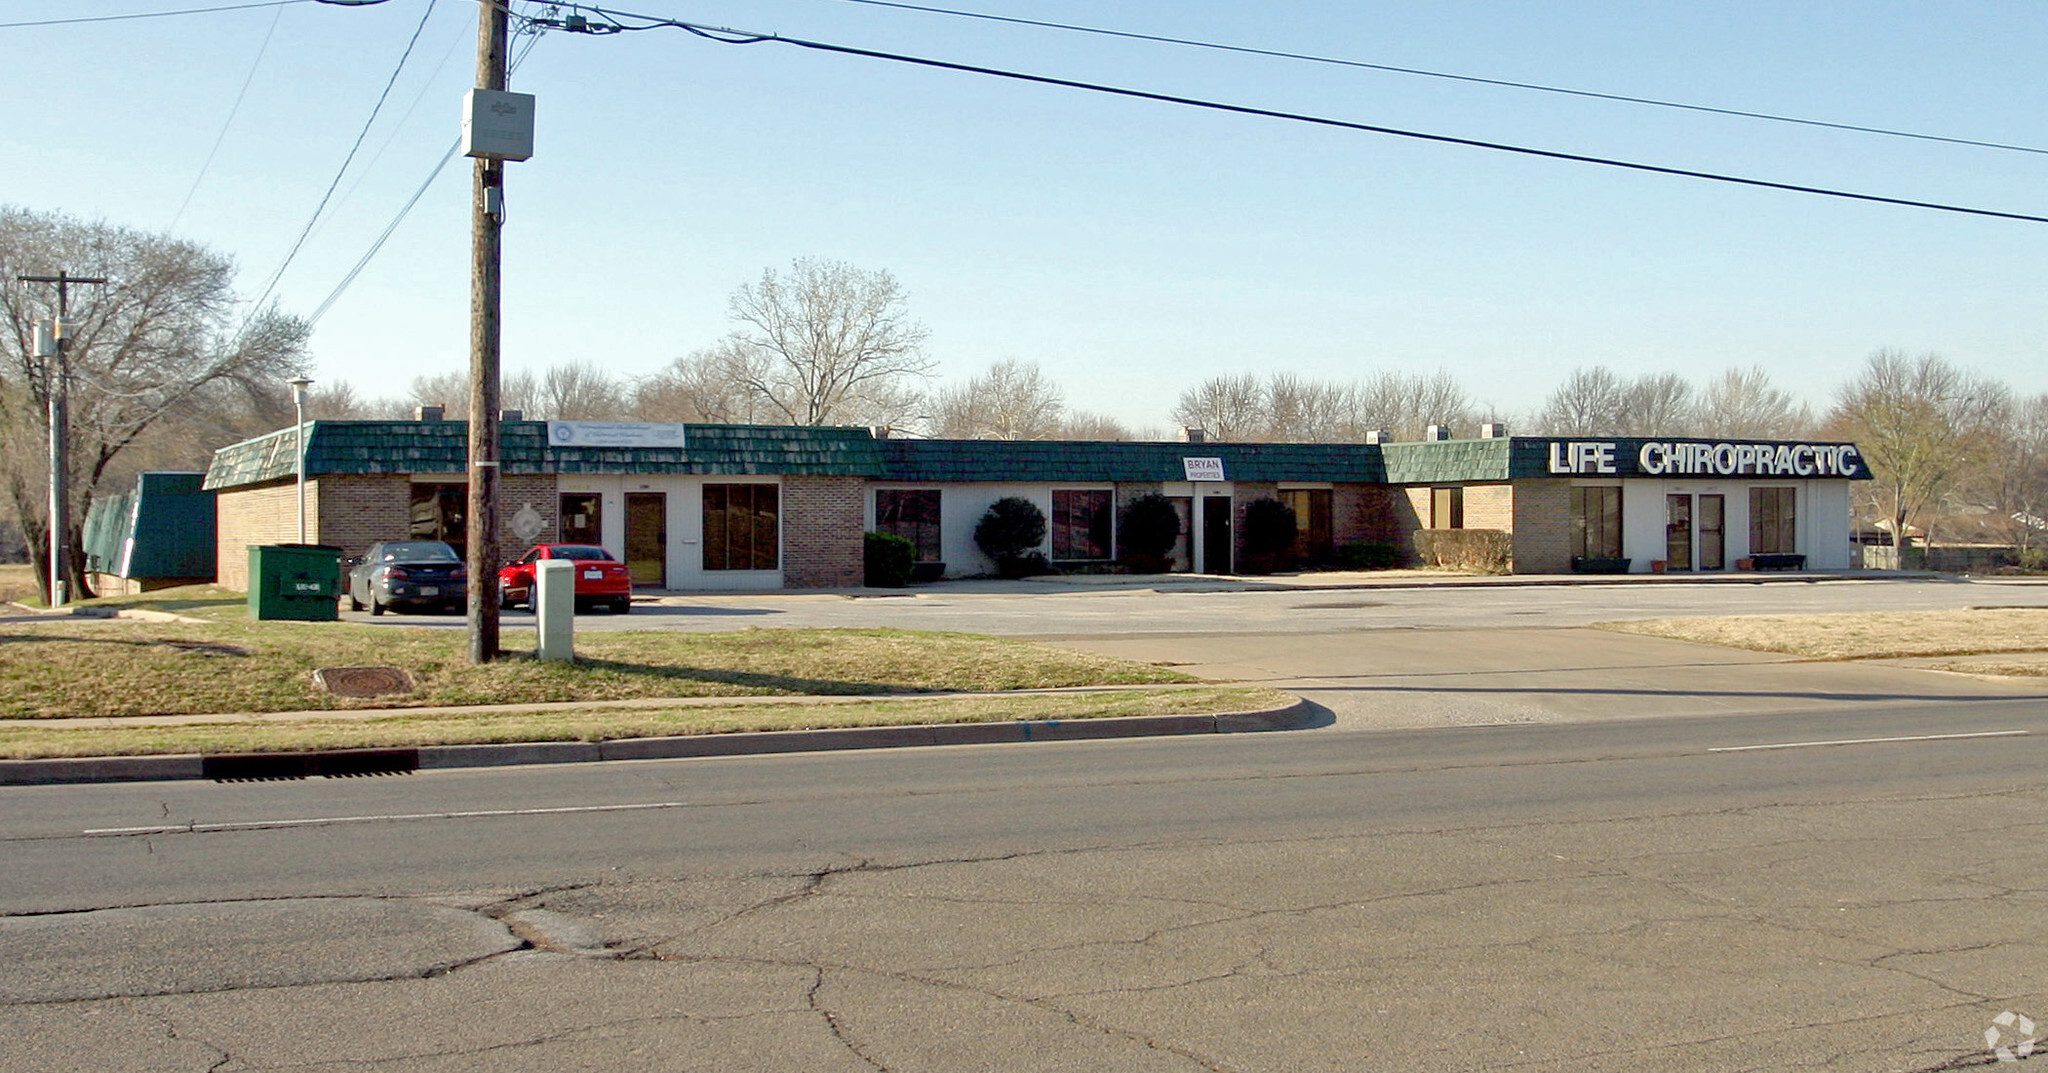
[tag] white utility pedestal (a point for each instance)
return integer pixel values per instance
(554, 607)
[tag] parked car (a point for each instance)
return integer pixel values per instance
(600, 579)
(408, 573)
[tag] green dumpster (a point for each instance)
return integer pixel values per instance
(294, 581)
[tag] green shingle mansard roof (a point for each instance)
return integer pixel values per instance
(1057, 460)
(437, 447)
(334, 447)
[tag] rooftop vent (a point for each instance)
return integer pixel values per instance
(1376, 436)
(430, 413)
(1493, 430)
(1194, 435)
(1437, 432)
(511, 415)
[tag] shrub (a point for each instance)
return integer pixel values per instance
(1486, 551)
(888, 560)
(1150, 526)
(1269, 531)
(1010, 533)
(1369, 555)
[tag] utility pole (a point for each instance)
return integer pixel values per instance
(487, 219)
(59, 391)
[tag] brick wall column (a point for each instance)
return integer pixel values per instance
(1542, 520)
(822, 525)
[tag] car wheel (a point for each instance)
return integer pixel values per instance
(375, 607)
(353, 603)
(622, 605)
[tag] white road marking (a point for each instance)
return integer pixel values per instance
(328, 821)
(1870, 741)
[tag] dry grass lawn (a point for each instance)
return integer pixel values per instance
(401, 729)
(1877, 635)
(84, 667)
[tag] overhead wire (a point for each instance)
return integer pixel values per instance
(291, 254)
(726, 36)
(233, 110)
(150, 14)
(399, 218)
(1537, 87)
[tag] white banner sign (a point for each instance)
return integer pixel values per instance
(1203, 469)
(614, 434)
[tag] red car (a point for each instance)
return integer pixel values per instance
(600, 579)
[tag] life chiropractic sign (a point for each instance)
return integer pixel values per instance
(1694, 458)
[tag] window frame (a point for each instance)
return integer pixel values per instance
(741, 547)
(1582, 522)
(1773, 535)
(1096, 532)
(924, 534)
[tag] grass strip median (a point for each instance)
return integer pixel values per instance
(1969, 640)
(345, 730)
(80, 667)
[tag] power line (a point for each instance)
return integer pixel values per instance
(233, 110)
(363, 262)
(151, 14)
(580, 24)
(343, 170)
(1449, 76)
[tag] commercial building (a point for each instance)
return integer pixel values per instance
(732, 507)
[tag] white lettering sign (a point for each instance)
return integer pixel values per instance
(1203, 469)
(1659, 459)
(1572, 456)
(614, 434)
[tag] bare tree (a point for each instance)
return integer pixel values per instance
(1919, 422)
(1306, 411)
(579, 391)
(830, 343)
(1590, 402)
(1741, 403)
(1656, 404)
(517, 390)
(707, 386)
(1014, 400)
(1100, 428)
(1225, 407)
(1404, 405)
(161, 338)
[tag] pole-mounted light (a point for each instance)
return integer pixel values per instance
(299, 385)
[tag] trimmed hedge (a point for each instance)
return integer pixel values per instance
(1369, 555)
(1269, 531)
(1485, 551)
(1149, 529)
(888, 559)
(1010, 533)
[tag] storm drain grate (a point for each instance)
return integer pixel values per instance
(346, 763)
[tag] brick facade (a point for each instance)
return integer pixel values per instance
(352, 512)
(1543, 518)
(823, 522)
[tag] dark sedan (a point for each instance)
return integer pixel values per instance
(422, 574)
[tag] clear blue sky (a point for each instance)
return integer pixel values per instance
(1131, 248)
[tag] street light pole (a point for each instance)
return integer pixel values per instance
(299, 385)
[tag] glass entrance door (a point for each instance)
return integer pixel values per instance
(1713, 538)
(1678, 533)
(647, 538)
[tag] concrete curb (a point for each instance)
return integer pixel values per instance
(754, 743)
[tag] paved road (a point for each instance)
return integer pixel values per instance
(1591, 896)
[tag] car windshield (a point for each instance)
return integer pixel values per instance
(420, 551)
(579, 551)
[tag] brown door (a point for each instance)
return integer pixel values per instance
(1678, 533)
(1712, 539)
(1215, 535)
(647, 538)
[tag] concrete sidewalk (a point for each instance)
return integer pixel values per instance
(1386, 679)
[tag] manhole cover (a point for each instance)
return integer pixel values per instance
(362, 681)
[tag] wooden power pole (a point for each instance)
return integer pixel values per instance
(59, 389)
(487, 220)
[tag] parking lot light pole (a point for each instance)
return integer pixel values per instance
(299, 385)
